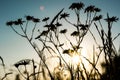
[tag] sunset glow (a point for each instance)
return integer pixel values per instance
(59, 40)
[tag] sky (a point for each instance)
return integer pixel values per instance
(14, 48)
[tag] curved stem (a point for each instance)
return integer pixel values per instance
(21, 73)
(17, 32)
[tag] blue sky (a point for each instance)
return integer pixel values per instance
(13, 47)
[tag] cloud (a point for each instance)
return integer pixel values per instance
(42, 8)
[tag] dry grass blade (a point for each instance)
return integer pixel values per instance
(2, 61)
(6, 75)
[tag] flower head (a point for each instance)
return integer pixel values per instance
(64, 15)
(75, 33)
(97, 9)
(97, 18)
(58, 24)
(44, 33)
(63, 31)
(22, 62)
(20, 21)
(45, 19)
(112, 19)
(77, 6)
(90, 8)
(10, 23)
(29, 17)
(36, 20)
(52, 27)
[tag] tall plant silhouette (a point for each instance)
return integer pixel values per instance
(52, 45)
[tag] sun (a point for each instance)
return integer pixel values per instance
(76, 59)
(84, 56)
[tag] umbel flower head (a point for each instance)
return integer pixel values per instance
(75, 33)
(45, 19)
(10, 23)
(31, 18)
(77, 6)
(90, 8)
(22, 62)
(111, 19)
(97, 18)
(36, 20)
(17, 22)
(58, 24)
(64, 15)
(83, 27)
(63, 31)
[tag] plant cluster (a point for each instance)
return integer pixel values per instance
(52, 45)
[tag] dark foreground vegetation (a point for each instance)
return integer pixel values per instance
(50, 44)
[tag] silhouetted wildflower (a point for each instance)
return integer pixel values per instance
(16, 23)
(44, 33)
(16, 65)
(97, 18)
(52, 27)
(58, 24)
(97, 9)
(36, 20)
(75, 33)
(63, 31)
(77, 6)
(90, 8)
(20, 21)
(10, 23)
(64, 15)
(22, 62)
(83, 27)
(67, 51)
(47, 26)
(29, 17)
(45, 19)
(76, 47)
(112, 19)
